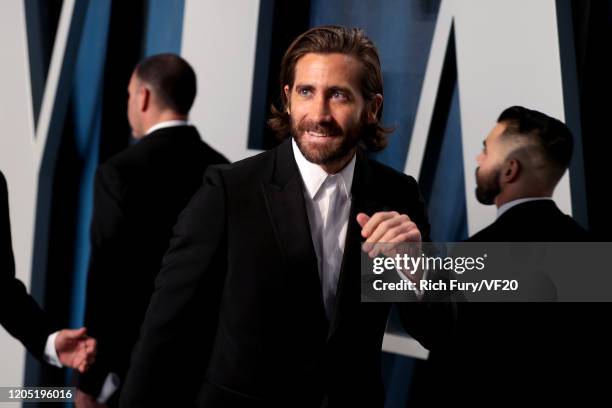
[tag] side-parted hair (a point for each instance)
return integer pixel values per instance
(172, 79)
(327, 40)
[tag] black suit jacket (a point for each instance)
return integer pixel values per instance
(20, 315)
(138, 195)
(533, 221)
(520, 353)
(239, 298)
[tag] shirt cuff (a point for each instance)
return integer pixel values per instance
(419, 293)
(111, 384)
(50, 354)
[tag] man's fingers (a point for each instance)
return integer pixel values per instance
(389, 229)
(76, 333)
(385, 224)
(90, 356)
(91, 345)
(375, 220)
(362, 219)
(77, 361)
(83, 364)
(384, 228)
(390, 247)
(393, 234)
(377, 249)
(413, 235)
(72, 333)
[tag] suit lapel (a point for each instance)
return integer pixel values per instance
(287, 211)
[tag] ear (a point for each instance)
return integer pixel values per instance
(373, 108)
(288, 98)
(145, 98)
(511, 171)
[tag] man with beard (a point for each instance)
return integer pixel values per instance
(525, 352)
(267, 254)
(522, 160)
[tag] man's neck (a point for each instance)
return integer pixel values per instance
(160, 122)
(160, 118)
(167, 116)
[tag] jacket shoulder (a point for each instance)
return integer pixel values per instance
(246, 170)
(212, 156)
(387, 174)
(390, 182)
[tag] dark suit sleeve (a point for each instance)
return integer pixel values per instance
(171, 356)
(108, 291)
(20, 315)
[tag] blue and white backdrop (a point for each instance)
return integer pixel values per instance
(450, 67)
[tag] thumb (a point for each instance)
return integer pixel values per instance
(362, 219)
(74, 333)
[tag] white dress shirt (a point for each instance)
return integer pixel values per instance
(166, 124)
(328, 203)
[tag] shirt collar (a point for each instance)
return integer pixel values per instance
(505, 207)
(314, 176)
(166, 124)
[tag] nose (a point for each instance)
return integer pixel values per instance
(321, 110)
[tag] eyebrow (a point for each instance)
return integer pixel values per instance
(297, 87)
(334, 88)
(341, 89)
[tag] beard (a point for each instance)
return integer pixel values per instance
(337, 145)
(487, 186)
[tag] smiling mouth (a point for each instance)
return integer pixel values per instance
(319, 134)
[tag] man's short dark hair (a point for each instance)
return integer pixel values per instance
(172, 79)
(327, 40)
(551, 135)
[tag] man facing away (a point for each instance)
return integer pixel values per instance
(138, 195)
(522, 160)
(266, 257)
(524, 352)
(21, 316)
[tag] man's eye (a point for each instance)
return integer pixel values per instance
(339, 95)
(304, 91)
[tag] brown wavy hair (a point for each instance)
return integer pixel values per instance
(327, 40)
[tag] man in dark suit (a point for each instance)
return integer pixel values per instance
(522, 160)
(21, 316)
(523, 352)
(138, 195)
(265, 260)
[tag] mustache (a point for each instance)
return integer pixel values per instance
(330, 128)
